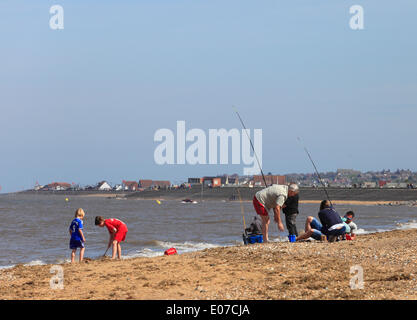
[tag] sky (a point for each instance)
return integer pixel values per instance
(82, 104)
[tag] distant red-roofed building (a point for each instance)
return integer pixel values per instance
(270, 179)
(382, 183)
(130, 185)
(58, 186)
(145, 184)
(161, 184)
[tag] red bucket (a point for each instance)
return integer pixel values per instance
(170, 252)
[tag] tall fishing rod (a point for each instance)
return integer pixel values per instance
(245, 233)
(242, 209)
(251, 144)
(317, 172)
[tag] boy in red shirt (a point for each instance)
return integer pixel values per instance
(117, 230)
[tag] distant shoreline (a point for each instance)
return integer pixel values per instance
(307, 195)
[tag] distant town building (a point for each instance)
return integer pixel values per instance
(391, 185)
(233, 180)
(130, 186)
(212, 181)
(381, 183)
(148, 184)
(57, 186)
(161, 184)
(224, 180)
(118, 187)
(369, 184)
(195, 180)
(103, 186)
(258, 180)
(145, 184)
(347, 172)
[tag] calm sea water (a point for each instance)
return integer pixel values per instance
(34, 228)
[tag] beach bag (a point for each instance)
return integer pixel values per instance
(255, 227)
(170, 252)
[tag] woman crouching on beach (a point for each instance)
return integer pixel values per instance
(117, 230)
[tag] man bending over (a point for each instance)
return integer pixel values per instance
(272, 197)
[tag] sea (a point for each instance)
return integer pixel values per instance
(34, 228)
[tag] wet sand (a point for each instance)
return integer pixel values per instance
(351, 202)
(305, 270)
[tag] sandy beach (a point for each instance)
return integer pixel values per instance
(305, 270)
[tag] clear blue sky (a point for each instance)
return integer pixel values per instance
(82, 104)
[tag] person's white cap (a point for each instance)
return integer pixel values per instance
(293, 187)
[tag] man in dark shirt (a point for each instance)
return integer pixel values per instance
(330, 224)
(290, 209)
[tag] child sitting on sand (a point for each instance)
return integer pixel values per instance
(351, 227)
(117, 230)
(77, 236)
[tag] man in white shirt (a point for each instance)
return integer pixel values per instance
(272, 197)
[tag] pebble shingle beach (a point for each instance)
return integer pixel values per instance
(304, 270)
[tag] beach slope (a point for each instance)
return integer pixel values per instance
(307, 270)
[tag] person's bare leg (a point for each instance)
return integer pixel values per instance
(265, 227)
(82, 254)
(73, 255)
(114, 249)
(305, 235)
(308, 230)
(308, 221)
(119, 251)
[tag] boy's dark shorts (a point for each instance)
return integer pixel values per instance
(74, 244)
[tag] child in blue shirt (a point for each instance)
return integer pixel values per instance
(77, 236)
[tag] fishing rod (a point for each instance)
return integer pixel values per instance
(251, 144)
(241, 209)
(245, 233)
(317, 172)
